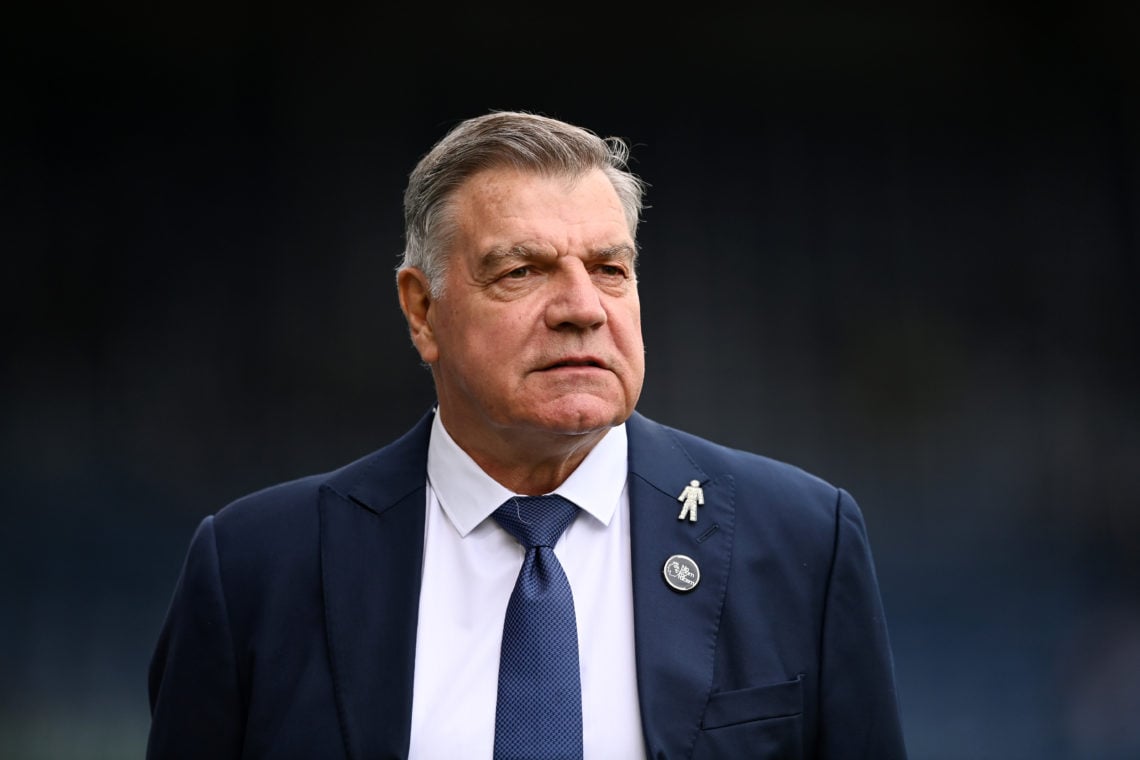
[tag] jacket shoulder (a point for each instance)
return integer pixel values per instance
(751, 466)
(393, 470)
(778, 492)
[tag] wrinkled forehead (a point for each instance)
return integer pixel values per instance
(505, 208)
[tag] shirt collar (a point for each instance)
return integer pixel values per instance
(468, 495)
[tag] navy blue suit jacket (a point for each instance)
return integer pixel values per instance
(292, 629)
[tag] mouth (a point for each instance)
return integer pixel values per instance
(576, 361)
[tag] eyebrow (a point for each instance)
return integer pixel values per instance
(494, 257)
(621, 250)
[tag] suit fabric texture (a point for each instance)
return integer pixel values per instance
(292, 629)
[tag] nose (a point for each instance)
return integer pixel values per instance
(574, 299)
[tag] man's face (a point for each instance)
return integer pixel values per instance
(538, 330)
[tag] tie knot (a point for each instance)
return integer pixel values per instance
(536, 520)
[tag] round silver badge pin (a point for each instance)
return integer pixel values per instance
(682, 573)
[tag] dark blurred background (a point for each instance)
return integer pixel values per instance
(897, 247)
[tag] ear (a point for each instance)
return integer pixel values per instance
(416, 302)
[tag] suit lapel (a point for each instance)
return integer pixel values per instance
(372, 527)
(675, 632)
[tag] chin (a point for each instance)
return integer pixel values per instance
(582, 418)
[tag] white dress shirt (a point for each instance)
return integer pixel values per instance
(470, 566)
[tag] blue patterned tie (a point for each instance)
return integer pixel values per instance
(539, 712)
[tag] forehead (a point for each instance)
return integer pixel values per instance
(502, 206)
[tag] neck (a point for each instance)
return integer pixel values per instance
(530, 465)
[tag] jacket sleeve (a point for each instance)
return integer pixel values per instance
(859, 714)
(195, 702)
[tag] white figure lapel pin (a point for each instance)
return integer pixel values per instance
(691, 497)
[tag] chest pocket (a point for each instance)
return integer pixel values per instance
(758, 722)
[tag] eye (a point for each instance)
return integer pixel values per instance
(518, 273)
(611, 270)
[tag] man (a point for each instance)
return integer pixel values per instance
(709, 603)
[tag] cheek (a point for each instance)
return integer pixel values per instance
(454, 338)
(486, 342)
(628, 331)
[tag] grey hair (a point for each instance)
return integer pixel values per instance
(517, 139)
